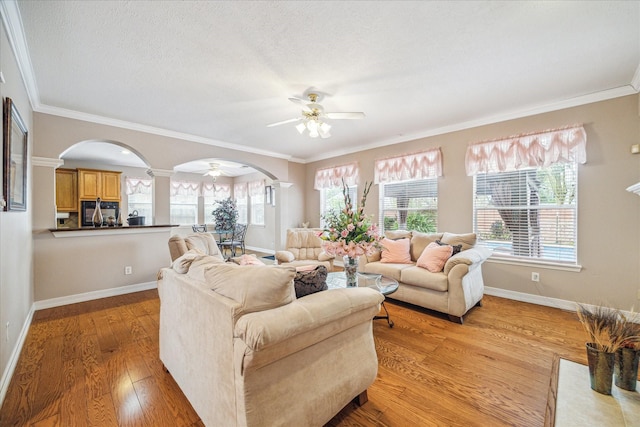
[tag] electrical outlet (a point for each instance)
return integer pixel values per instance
(535, 277)
(128, 269)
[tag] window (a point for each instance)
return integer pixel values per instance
(212, 193)
(139, 196)
(332, 199)
(409, 205)
(256, 196)
(525, 194)
(184, 202)
(409, 191)
(240, 195)
(528, 213)
(329, 182)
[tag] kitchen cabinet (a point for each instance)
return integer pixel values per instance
(66, 190)
(93, 183)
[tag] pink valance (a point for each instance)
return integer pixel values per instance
(332, 177)
(539, 149)
(219, 191)
(427, 164)
(138, 185)
(256, 188)
(240, 191)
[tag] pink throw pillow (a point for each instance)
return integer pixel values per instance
(250, 260)
(434, 257)
(395, 251)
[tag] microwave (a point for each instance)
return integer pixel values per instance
(107, 208)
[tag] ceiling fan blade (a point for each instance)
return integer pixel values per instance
(284, 122)
(347, 116)
(301, 102)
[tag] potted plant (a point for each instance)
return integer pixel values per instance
(604, 327)
(225, 214)
(628, 355)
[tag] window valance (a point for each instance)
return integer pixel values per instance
(256, 188)
(332, 177)
(219, 191)
(138, 185)
(427, 164)
(539, 149)
(185, 188)
(240, 191)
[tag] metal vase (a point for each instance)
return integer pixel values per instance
(626, 368)
(600, 368)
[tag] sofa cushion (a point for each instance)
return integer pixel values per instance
(434, 256)
(456, 248)
(247, 259)
(422, 278)
(310, 281)
(397, 234)
(393, 271)
(396, 251)
(419, 241)
(254, 289)
(183, 263)
(466, 240)
(203, 242)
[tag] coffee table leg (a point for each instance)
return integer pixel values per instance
(389, 321)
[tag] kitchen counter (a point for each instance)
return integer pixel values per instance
(109, 231)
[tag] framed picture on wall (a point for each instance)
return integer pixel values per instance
(14, 180)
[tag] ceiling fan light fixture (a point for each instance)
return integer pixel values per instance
(301, 127)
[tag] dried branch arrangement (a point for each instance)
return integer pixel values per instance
(608, 328)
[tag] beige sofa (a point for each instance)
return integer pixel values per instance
(304, 247)
(246, 352)
(452, 291)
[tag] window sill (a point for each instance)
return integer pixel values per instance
(550, 265)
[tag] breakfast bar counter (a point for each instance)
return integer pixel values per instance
(109, 231)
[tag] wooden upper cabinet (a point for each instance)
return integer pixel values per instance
(66, 190)
(94, 183)
(111, 186)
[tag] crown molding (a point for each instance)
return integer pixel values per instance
(517, 114)
(635, 81)
(46, 162)
(160, 172)
(15, 33)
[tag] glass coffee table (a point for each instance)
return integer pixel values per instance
(380, 283)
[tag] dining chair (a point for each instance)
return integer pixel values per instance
(236, 241)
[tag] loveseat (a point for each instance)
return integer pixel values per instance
(246, 352)
(304, 247)
(453, 290)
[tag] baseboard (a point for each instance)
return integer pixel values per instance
(15, 355)
(261, 250)
(88, 296)
(530, 298)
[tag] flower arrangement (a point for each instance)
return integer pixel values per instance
(349, 232)
(225, 214)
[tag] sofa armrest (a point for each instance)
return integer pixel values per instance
(476, 255)
(284, 256)
(343, 307)
(323, 256)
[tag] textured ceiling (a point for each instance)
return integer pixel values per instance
(221, 71)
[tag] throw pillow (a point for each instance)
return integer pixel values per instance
(434, 257)
(456, 248)
(396, 251)
(309, 282)
(247, 259)
(466, 240)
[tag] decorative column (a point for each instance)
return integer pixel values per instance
(282, 213)
(44, 192)
(161, 195)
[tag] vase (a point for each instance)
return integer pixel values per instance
(351, 270)
(626, 368)
(97, 214)
(600, 368)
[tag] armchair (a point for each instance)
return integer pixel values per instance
(304, 247)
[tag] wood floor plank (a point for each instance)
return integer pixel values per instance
(96, 364)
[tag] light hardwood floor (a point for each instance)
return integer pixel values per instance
(96, 363)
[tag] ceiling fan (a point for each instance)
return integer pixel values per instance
(313, 115)
(214, 171)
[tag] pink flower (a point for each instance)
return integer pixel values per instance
(344, 233)
(350, 227)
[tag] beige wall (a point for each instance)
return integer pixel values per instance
(16, 284)
(608, 217)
